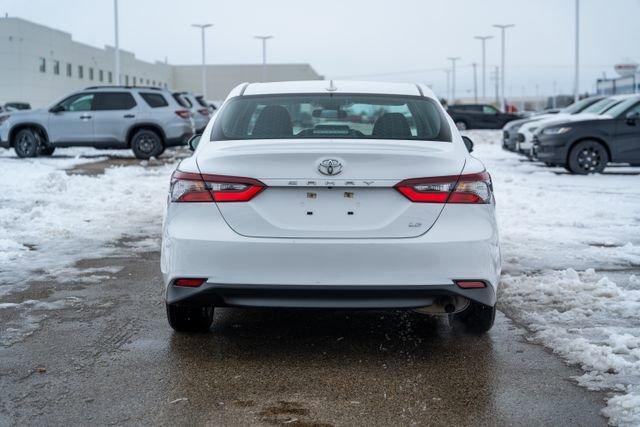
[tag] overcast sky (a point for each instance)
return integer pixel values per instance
(402, 40)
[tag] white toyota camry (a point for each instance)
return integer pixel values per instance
(331, 194)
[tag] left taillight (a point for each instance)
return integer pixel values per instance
(473, 188)
(194, 187)
(204, 111)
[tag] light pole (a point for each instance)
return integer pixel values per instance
(475, 82)
(117, 47)
(576, 87)
(448, 93)
(503, 28)
(453, 78)
(484, 39)
(204, 64)
(264, 55)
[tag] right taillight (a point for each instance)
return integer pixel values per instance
(470, 188)
(194, 187)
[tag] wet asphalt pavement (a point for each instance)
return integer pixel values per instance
(111, 358)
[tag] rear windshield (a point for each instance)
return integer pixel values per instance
(201, 101)
(331, 116)
(154, 100)
(182, 100)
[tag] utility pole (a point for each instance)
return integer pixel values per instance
(484, 39)
(264, 55)
(448, 94)
(496, 76)
(576, 87)
(475, 82)
(204, 61)
(502, 79)
(117, 47)
(453, 78)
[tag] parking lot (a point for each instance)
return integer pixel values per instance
(84, 333)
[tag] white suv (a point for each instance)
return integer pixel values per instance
(330, 195)
(145, 119)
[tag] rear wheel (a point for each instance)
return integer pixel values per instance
(26, 143)
(146, 144)
(588, 157)
(462, 125)
(477, 317)
(184, 318)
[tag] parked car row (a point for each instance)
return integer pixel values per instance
(146, 120)
(584, 137)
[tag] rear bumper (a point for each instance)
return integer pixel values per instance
(323, 296)
(181, 140)
(4, 139)
(279, 272)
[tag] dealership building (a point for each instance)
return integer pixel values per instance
(628, 80)
(39, 65)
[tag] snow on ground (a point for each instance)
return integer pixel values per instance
(571, 264)
(49, 219)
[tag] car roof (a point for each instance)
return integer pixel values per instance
(623, 97)
(332, 86)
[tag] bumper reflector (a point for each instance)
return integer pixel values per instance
(471, 284)
(190, 283)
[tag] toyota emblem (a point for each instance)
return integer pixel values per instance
(330, 167)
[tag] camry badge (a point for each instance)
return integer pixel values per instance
(330, 167)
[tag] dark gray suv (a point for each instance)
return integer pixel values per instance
(145, 119)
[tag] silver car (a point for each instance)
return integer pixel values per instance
(145, 119)
(201, 113)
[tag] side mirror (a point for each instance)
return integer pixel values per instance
(56, 109)
(633, 117)
(194, 141)
(468, 143)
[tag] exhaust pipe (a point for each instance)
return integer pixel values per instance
(445, 305)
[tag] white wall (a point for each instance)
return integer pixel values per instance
(23, 43)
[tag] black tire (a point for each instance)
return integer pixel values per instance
(146, 143)
(183, 318)
(461, 125)
(477, 318)
(46, 150)
(587, 157)
(26, 143)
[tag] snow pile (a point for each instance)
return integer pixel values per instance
(49, 218)
(590, 321)
(588, 313)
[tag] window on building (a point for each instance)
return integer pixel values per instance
(155, 100)
(69, 70)
(148, 83)
(90, 73)
(101, 75)
(134, 80)
(153, 83)
(113, 101)
(110, 77)
(56, 68)
(80, 72)
(42, 65)
(126, 79)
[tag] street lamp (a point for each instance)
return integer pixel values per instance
(576, 88)
(453, 78)
(204, 65)
(475, 82)
(264, 55)
(117, 47)
(503, 28)
(484, 39)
